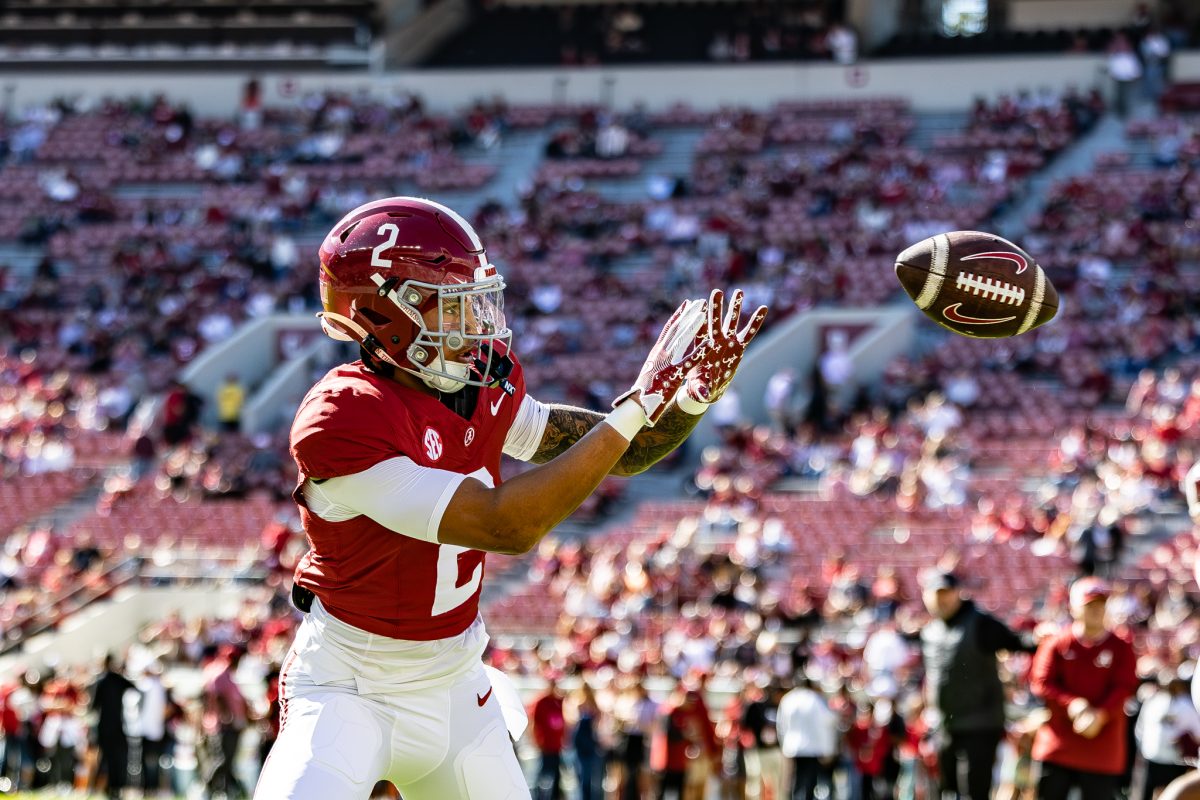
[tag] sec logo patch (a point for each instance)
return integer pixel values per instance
(433, 444)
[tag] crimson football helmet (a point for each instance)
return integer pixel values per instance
(387, 264)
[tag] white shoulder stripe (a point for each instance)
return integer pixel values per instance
(466, 226)
(454, 215)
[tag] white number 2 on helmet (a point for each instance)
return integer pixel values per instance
(390, 241)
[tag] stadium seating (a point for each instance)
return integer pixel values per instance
(182, 227)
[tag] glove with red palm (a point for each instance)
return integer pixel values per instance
(678, 350)
(709, 379)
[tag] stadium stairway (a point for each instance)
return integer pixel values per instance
(1078, 158)
(932, 125)
(675, 161)
(17, 265)
(1151, 529)
(65, 514)
(517, 157)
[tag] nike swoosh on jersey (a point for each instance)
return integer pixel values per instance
(484, 699)
(951, 313)
(496, 405)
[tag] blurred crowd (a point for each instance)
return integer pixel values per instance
(848, 693)
(190, 710)
(649, 33)
(861, 719)
(758, 32)
(671, 646)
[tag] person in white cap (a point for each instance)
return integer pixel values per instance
(1084, 674)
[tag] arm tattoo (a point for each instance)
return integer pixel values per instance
(565, 426)
(654, 444)
(568, 424)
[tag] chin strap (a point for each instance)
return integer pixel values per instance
(339, 327)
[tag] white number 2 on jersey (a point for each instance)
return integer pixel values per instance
(447, 594)
(392, 232)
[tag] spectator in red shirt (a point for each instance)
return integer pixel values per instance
(683, 736)
(708, 761)
(10, 730)
(870, 744)
(1084, 674)
(268, 724)
(549, 734)
(226, 714)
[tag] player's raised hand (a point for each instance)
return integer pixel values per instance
(678, 350)
(726, 342)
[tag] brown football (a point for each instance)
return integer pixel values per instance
(977, 284)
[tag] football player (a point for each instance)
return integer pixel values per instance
(400, 496)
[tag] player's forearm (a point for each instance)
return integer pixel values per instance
(556, 489)
(513, 517)
(568, 425)
(654, 444)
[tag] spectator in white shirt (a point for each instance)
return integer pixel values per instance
(1167, 727)
(843, 44)
(612, 141)
(808, 736)
(1156, 51)
(727, 411)
(886, 651)
(785, 400)
(1125, 69)
(837, 374)
(153, 713)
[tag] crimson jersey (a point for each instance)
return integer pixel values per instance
(1105, 674)
(365, 574)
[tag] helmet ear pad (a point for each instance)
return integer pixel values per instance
(392, 331)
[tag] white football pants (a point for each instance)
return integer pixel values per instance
(358, 708)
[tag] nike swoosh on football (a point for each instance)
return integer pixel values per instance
(951, 313)
(1016, 258)
(484, 699)
(496, 405)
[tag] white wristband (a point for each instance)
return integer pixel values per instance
(628, 419)
(688, 404)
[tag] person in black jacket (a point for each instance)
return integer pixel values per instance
(962, 684)
(108, 701)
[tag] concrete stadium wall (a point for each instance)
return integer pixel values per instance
(275, 401)
(944, 84)
(108, 625)
(1035, 15)
(252, 353)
